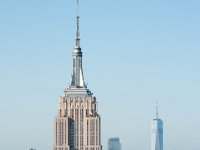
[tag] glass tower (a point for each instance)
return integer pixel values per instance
(157, 133)
(114, 144)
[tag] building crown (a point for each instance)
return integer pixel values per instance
(77, 76)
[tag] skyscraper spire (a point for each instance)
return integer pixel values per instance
(157, 110)
(77, 27)
(77, 76)
(157, 132)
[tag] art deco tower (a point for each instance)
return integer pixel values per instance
(157, 133)
(77, 124)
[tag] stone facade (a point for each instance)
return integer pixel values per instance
(77, 125)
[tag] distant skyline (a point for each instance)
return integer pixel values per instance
(114, 143)
(134, 54)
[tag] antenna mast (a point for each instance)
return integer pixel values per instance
(157, 110)
(77, 30)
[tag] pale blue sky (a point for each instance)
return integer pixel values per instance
(136, 52)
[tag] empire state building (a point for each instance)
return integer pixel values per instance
(77, 124)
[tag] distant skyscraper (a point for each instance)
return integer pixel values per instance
(114, 144)
(77, 124)
(157, 133)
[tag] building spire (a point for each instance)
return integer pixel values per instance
(157, 110)
(77, 26)
(77, 76)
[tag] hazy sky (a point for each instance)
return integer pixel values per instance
(136, 52)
